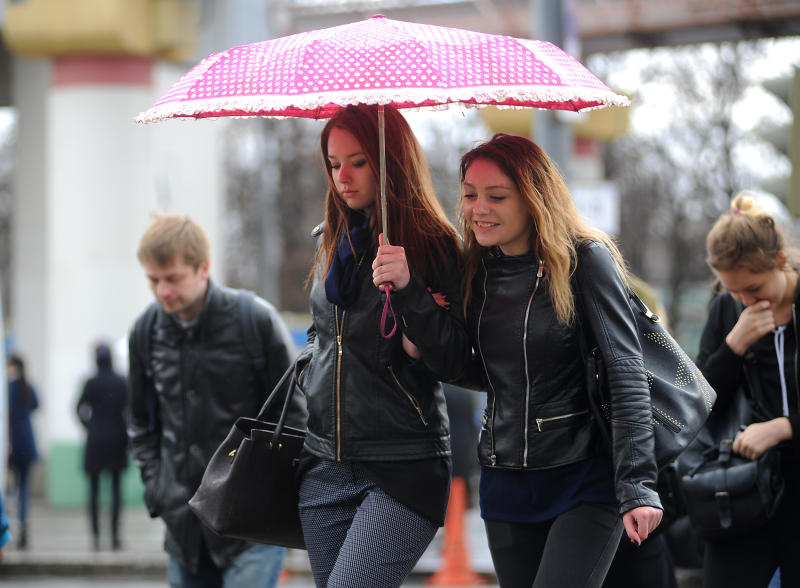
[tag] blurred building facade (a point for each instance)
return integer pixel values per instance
(88, 178)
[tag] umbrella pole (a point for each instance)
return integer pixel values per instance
(387, 306)
(382, 160)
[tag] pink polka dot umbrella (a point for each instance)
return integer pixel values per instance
(381, 61)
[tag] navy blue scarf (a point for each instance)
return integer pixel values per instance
(341, 283)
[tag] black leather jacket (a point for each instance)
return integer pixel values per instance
(204, 380)
(367, 400)
(537, 414)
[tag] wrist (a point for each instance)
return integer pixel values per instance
(736, 346)
(784, 428)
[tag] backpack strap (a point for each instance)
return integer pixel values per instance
(252, 336)
(141, 337)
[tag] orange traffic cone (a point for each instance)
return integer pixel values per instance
(455, 569)
(284, 576)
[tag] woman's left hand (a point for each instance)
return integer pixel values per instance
(759, 437)
(390, 266)
(411, 350)
(640, 522)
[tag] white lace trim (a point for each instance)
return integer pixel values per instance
(324, 105)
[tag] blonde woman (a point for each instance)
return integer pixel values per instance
(749, 346)
(554, 499)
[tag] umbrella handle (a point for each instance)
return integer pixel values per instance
(387, 308)
(382, 170)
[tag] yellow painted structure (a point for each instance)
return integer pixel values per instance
(603, 125)
(514, 121)
(163, 29)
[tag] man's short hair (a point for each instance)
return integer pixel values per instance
(171, 238)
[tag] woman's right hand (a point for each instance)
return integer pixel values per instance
(640, 522)
(754, 322)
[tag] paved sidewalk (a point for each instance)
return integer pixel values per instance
(59, 544)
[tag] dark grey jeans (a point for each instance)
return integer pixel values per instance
(574, 550)
(358, 536)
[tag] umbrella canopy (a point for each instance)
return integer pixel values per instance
(381, 61)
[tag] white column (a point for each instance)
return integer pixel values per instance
(88, 180)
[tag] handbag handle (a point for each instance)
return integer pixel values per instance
(639, 305)
(287, 375)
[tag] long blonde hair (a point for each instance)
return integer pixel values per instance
(747, 237)
(558, 229)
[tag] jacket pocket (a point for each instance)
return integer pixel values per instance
(563, 438)
(152, 493)
(560, 420)
(415, 405)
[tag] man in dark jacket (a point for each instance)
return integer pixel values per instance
(189, 382)
(101, 409)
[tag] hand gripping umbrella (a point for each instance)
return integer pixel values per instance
(380, 61)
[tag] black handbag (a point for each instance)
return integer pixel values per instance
(725, 494)
(681, 397)
(728, 495)
(248, 490)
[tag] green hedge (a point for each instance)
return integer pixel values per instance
(68, 487)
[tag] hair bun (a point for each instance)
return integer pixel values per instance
(743, 203)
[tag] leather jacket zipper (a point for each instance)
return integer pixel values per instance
(338, 380)
(492, 454)
(409, 396)
(490, 424)
(339, 352)
(662, 418)
(525, 357)
(561, 417)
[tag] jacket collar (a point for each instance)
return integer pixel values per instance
(494, 252)
(212, 293)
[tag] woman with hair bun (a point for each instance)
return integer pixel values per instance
(749, 346)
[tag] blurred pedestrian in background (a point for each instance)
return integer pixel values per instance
(101, 409)
(462, 406)
(749, 347)
(554, 498)
(22, 401)
(5, 529)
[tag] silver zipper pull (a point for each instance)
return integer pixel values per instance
(539, 424)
